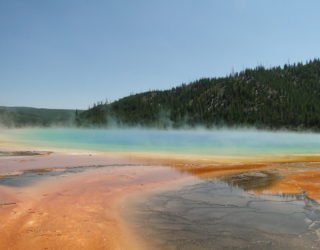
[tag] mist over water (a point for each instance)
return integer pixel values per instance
(198, 142)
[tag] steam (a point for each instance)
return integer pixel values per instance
(196, 141)
(34, 118)
(161, 121)
(6, 119)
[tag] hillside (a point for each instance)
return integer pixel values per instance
(278, 97)
(24, 116)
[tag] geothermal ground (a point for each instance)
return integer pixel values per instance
(78, 201)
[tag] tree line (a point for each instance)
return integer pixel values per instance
(278, 97)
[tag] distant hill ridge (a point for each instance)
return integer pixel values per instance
(25, 116)
(279, 97)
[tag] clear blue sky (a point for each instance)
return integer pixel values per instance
(71, 53)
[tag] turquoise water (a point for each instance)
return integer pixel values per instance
(204, 142)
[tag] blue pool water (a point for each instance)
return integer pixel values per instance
(204, 142)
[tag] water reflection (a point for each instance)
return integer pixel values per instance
(276, 178)
(29, 177)
(22, 153)
(256, 180)
(217, 215)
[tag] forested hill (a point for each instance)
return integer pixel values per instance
(25, 116)
(279, 97)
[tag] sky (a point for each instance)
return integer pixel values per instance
(72, 53)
